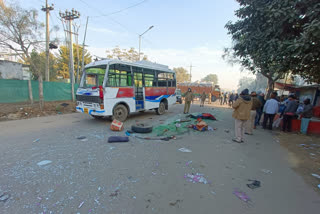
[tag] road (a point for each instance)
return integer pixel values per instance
(144, 176)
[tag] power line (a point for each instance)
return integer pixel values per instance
(119, 11)
(112, 19)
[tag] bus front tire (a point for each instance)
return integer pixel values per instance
(120, 112)
(161, 109)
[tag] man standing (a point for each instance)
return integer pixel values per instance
(256, 104)
(241, 114)
(221, 98)
(231, 98)
(188, 99)
(289, 113)
(306, 115)
(225, 98)
(203, 99)
(270, 109)
(259, 110)
(209, 97)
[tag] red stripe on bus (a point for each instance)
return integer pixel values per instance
(125, 92)
(158, 91)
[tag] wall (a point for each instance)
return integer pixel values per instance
(11, 70)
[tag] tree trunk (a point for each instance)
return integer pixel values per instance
(30, 91)
(41, 100)
(270, 87)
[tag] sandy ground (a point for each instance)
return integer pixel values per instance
(145, 176)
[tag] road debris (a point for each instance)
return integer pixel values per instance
(80, 204)
(118, 139)
(4, 197)
(36, 140)
(226, 130)
(184, 150)
(196, 178)
(44, 162)
(316, 175)
(242, 196)
(188, 163)
(266, 171)
(255, 184)
(82, 138)
(116, 125)
(175, 203)
(115, 193)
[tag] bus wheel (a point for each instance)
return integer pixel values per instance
(161, 109)
(120, 112)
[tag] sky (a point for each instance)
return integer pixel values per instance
(185, 32)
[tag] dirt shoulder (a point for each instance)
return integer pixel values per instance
(17, 111)
(304, 155)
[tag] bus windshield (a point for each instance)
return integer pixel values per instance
(93, 77)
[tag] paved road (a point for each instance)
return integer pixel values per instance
(144, 176)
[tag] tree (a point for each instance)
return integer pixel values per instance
(257, 84)
(130, 55)
(266, 37)
(20, 31)
(211, 78)
(62, 65)
(41, 66)
(182, 74)
(36, 63)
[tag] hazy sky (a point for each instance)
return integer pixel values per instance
(185, 31)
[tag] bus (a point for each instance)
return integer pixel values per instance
(116, 88)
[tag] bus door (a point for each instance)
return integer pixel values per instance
(138, 88)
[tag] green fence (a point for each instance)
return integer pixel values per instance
(12, 91)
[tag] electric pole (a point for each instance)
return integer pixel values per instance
(47, 10)
(70, 16)
(191, 66)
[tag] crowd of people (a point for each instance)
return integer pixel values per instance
(228, 98)
(251, 109)
(248, 111)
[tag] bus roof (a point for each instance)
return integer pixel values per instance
(143, 64)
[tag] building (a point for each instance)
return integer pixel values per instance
(14, 70)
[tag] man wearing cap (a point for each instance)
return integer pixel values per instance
(188, 99)
(241, 114)
(256, 104)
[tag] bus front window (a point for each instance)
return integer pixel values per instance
(93, 77)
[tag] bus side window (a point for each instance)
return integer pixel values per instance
(148, 78)
(170, 80)
(162, 79)
(138, 77)
(119, 76)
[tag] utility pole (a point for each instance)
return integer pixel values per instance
(70, 16)
(47, 10)
(83, 44)
(191, 66)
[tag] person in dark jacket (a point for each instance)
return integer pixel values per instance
(289, 113)
(236, 97)
(259, 110)
(306, 115)
(231, 99)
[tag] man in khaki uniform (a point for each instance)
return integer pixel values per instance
(209, 97)
(203, 99)
(241, 114)
(188, 99)
(256, 104)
